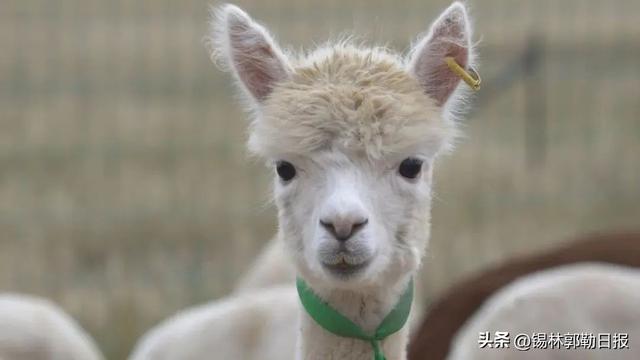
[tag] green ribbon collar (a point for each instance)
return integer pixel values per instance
(334, 322)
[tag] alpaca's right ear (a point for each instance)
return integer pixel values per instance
(241, 45)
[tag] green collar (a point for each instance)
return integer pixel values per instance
(334, 322)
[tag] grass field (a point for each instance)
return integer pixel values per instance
(126, 193)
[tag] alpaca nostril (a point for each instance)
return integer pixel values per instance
(343, 230)
(359, 225)
(328, 226)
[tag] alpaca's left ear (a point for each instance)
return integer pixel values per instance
(449, 36)
(244, 47)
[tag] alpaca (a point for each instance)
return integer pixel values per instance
(36, 329)
(585, 298)
(352, 133)
(450, 311)
(245, 326)
(271, 268)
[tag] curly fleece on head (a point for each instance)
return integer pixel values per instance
(358, 99)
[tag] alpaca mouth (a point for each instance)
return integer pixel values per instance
(344, 267)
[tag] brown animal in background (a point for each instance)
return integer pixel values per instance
(449, 313)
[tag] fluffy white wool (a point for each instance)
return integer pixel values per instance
(252, 325)
(350, 98)
(587, 298)
(271, 268)
(36, 329)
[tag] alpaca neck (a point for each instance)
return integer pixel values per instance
(367, 309)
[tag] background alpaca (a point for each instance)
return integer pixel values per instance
(446, 316)
(252, 325)
(353, 134)
(589, 298)
(36, 329)
(271, 268)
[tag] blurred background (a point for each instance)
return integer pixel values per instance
(126, 192)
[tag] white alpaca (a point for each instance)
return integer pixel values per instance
(36, 329)
(352, 133)
(586, 298)
(246, 326)
(271, 268)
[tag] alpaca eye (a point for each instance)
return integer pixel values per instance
(410, 168)
(285, 170)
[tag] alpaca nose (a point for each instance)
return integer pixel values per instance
(343, 227)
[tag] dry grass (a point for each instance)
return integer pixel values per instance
(126, 194)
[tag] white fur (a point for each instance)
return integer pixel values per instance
(345, 117)
(252, 325)
(36, 329)
(581, 298)
(271, 268)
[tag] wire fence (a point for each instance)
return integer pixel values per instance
(126, 192)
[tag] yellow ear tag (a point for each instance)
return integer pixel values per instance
(471, 77)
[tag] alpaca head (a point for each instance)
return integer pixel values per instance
(352, 134)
